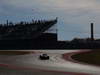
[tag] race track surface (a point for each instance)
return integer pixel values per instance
(30, 64)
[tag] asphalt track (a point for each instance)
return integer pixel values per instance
(60, 63)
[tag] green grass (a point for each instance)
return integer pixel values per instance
(14, 52)
(92, 57)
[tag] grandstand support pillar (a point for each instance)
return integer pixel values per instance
(7, 22)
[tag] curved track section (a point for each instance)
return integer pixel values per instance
(57, 64)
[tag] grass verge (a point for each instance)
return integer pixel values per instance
(14, 52)
(92, 57)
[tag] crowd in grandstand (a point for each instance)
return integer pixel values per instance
(24, 29)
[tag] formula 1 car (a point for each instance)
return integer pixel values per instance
(44, 57)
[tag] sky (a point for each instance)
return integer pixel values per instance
(74, 16)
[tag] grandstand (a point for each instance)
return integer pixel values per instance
(27, 35)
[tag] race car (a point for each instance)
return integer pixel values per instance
(44, 57)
